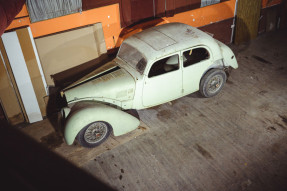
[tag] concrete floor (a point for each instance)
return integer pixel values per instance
(234, 141)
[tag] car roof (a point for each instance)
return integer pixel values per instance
(168, 38)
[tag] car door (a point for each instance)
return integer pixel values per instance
(162, 81)
(196, 61)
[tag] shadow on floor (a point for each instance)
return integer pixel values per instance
(27, 165)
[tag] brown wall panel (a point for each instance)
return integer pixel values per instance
(91, 4)
(186, 5)
(221, 30)
(136, 10)
(159, 8)
(269, 17)
(133, 11)
(141, 9)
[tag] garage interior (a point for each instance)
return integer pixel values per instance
(236, 140)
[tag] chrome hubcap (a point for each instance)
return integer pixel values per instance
(214, 84)
(96, 132)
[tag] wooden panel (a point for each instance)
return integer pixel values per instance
(272, 19)
(268, 3)
(69, 49)
(269, 18)
(8, 90)
(247, 20)
(133, 11)
(32, 66)
(22, 77)
(221, 30)
(186, 5)
(141, 10)
(262, 21)
(91, 4)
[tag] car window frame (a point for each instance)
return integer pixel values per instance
(149, 66)
(194, 47)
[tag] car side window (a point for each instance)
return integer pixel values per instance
(194, 56)
(164, 65)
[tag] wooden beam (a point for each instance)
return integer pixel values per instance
(247, 20)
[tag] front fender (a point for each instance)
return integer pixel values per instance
(86, 113)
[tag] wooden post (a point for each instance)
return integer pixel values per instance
(247, 20)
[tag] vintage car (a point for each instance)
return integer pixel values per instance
(152, 67)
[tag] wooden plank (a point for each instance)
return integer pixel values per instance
(33, 67)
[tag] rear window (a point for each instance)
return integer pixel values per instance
(132, 57)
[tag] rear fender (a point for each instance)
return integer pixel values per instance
(88, 112)
(228, 56)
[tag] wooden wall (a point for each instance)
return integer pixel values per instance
(111, 18)
(133, 11)
(272, 16)
(65, 50)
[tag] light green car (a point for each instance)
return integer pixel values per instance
(152, 67)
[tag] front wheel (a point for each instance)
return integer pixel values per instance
(94, 134)
(212, 82)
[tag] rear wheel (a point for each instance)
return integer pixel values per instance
(94, 134)
(212, 82)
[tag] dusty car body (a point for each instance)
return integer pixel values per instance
(152, 67)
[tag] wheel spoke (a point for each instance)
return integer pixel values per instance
(95, 132)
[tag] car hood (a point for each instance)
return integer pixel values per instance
(109, 83)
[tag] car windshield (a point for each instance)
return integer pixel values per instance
(133, 57)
